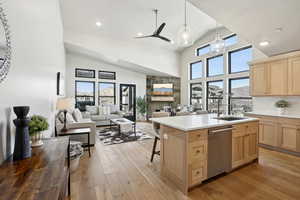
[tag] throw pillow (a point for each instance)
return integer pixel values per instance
(101, 110)
(106, 110)
(77, 115)
(114, 109)
(70, 118)
(93, 110)
(61, 117)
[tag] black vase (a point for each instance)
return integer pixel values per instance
(22, 148)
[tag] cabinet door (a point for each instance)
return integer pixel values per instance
(173, 154)
(277, 77)
(237, 148)
(288, 136)
(293, 76)
(258, 79)
(250, 142)
(268, 133)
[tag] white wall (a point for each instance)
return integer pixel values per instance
(158, 59)
(75, 60)
(189, 56)
(37, 55)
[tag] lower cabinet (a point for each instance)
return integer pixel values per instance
(267, 132)
(289, 136)
(279, 132)
(244, 143)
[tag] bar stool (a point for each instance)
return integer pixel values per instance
(156, 128)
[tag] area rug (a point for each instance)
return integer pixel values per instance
(111, 136)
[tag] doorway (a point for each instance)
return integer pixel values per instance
(128, 100)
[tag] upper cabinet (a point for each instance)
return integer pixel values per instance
(293, 76)
(276, 76)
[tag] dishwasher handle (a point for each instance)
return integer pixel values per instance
(220, 130)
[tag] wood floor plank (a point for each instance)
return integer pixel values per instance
(124, 172)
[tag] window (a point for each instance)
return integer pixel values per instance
(238, 60)
(215, 66)
(107, 93)
(230, 40)
(84, 94)
(214, 94)
(196, 94)
(239, 99)
(84, 73)
(196, 70)
(107, 75)
(203, 50)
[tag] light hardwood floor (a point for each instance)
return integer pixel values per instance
(124, 171)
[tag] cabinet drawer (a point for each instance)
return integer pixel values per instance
(252, 128)
(198, 135)
(197, 172)
(239, 129)
(197, 151)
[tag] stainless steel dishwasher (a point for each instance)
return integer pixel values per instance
(219, 150)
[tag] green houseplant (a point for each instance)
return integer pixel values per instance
(141, 105)
(281, 106)
(37, 124)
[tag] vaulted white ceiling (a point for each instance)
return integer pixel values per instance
(257, 20)
(123, 19)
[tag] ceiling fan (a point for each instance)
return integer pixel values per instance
(156, 33)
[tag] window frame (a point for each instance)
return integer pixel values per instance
(229, 59)
(229, 91)
(99, 97)
(207, 65)
(207, 88)
(191, 88)
(202, 47)
(191, 72)
(90, 70)
(107, 72)
(229, 36)
(76, 81)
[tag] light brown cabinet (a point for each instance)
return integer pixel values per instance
(293, 76)
(258, 80)
(267, 132)
(276, 76)
(244, 143)
(279, 132)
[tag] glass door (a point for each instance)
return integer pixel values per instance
(128, 100)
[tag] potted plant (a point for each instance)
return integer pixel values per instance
(37, 124)
(141, 107)
(281, 106)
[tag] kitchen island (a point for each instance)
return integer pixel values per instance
(191, 154)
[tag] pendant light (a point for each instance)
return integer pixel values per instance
(218, 45)
(184, 35)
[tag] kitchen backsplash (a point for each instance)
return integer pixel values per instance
(267, 104)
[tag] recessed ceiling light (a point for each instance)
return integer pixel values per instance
(264, 43)
(172, 42)
(98, 24)
(139, 34)
(279, 29)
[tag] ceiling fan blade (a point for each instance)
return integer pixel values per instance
(146, 36)
(160, 28)
(163, 38)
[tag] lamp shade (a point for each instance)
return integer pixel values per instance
(64, 103)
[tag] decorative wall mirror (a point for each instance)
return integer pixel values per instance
(5, 46)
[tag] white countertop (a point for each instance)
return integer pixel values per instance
(194, 122)
(274, 114)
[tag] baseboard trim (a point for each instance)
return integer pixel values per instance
(279, 150)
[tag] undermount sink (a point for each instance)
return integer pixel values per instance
(230, 118)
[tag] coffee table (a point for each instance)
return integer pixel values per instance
(122, 121)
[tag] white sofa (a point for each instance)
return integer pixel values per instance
(77, 121)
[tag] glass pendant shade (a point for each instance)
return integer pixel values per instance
(218, 45)
(185, 38)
